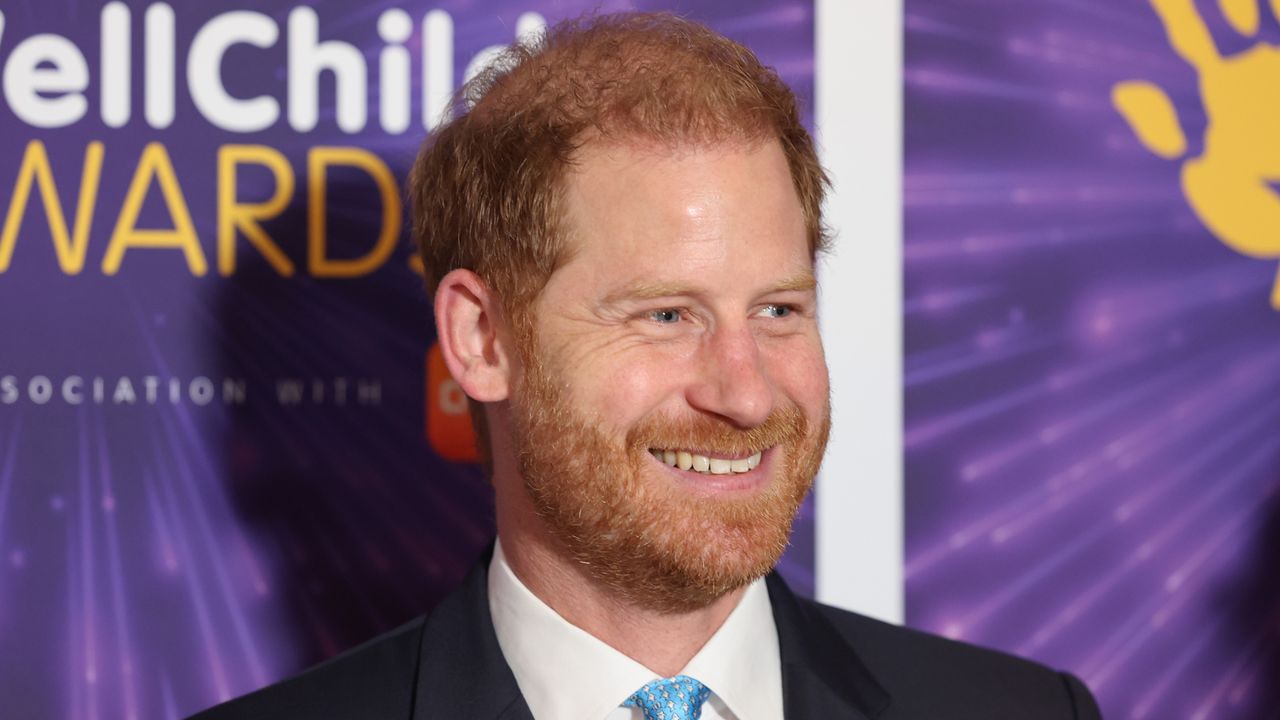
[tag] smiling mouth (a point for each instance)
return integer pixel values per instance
(706, 464)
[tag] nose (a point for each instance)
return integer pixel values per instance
(732, 381)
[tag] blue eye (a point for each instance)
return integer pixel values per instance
(778, 311)
(666, 316)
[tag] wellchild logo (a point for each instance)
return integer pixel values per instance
(46, 85)
(45, 76)
(1228, 184)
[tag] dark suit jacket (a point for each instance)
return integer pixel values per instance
(835, 664)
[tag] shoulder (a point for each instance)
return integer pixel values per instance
(374, 681)
(931, 676)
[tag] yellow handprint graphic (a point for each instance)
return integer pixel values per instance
(1227, 185)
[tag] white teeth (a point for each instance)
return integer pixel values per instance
(686, 460)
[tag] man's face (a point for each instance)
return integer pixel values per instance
(682, 328)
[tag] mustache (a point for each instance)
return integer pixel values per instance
(717, 436)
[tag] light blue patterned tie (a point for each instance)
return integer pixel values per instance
(677, 698)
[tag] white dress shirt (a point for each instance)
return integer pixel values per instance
(565, 673)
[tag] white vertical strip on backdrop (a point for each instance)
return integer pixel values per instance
(859, 543)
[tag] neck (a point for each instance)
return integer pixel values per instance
(662, 642)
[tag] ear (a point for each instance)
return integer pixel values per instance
(468, 322)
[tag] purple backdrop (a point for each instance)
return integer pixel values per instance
(158, 555)
(1091, 377)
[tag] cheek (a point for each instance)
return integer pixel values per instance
(622, 388)
(799, 373)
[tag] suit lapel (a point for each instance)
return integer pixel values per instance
(822, 677)
(462, 674)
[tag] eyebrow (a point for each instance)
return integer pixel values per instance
(802, 282)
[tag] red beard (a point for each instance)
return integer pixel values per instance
(646, 539)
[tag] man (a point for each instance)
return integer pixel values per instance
(620, 234)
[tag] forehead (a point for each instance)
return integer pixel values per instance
(707, 213)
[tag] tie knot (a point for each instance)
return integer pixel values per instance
(677, 698)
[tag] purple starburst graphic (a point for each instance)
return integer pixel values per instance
(262, 495)
(1091, 376)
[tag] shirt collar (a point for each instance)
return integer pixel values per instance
(740, 663)
(566, 673)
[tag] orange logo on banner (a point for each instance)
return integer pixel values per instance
(448, 421)
(1227, 185)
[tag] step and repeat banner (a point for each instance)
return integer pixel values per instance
(227, 450)
(1092, 324)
